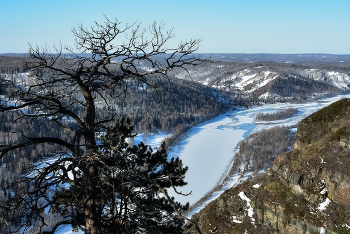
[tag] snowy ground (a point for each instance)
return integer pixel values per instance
(67, 229)
(153, 140)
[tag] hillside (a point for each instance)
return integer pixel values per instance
(171, 103)
(256, 78)
(271, 82)
(307, 190)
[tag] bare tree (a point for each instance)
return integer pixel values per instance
(66, 87)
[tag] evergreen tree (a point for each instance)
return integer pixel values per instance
(131, 183)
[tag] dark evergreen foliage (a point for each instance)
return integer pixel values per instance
(128, 194)
(11, 65)
(277, 115)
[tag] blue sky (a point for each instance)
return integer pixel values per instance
(225, 26)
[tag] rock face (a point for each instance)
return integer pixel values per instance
(306, 191)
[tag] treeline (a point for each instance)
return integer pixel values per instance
(260, 149)
(14, 129)
(280, 58)
(178, 102)
(150, 109)
(299, 88)
(277, 115)
(11, 65)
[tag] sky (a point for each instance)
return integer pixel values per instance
(224, 26)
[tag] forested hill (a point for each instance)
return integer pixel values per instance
(151, 109)
(174, 103)
(256, 82)
(11, 64)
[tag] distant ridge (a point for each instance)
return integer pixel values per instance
(15, 54)
(281, 58)
(241, 57)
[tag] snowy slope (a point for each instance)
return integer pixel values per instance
(258, 79)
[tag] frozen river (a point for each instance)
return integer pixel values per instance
(209, 148)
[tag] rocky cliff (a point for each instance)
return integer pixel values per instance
(306, 191)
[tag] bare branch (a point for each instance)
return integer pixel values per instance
(4, 148)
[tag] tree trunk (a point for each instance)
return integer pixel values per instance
(90, 209)
(91, 218)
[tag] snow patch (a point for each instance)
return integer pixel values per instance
(338, 79)
(234, 219)
(269, 95)
(67, 229)
(256, 185)
(324, 191)
(324, 204)
(254, 78)
(153, 139)
(250, 208)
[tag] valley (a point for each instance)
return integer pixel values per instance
(206, 117)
